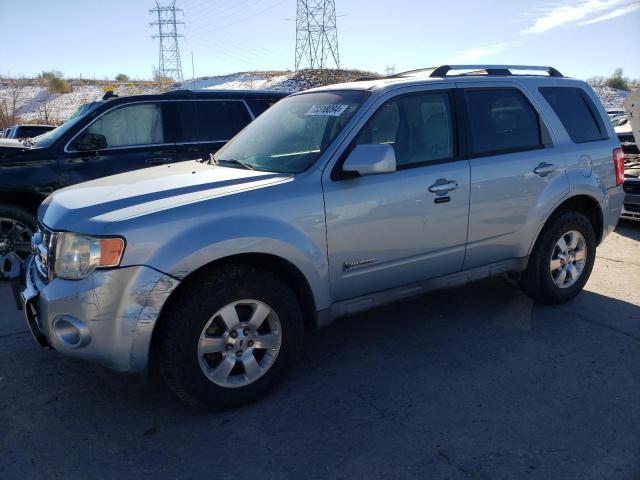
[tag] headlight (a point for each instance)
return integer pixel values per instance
(76, 256)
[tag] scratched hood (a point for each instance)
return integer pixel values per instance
(134, 194)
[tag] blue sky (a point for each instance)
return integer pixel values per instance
(581, 38)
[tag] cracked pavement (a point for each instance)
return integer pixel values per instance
(474, 382)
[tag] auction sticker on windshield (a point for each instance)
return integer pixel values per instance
(330, 110)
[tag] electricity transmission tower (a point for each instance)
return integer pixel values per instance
(316, 33)
(169, 64)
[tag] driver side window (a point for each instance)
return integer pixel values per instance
(131, 125)
(419, 127)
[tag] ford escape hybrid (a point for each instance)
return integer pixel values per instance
(333, 201)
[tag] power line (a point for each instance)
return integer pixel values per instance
(316, 33)
(169, 64)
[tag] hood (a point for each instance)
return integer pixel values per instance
(10, 146)
(626, 128)
(84, 206)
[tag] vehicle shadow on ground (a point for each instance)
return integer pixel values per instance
(451, 379)
(629, 229)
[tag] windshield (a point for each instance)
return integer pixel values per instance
(293, 134)
(48, 138)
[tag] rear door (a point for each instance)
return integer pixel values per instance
(517, 175)
(137, 134)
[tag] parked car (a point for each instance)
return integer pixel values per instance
(334, 201)
(21, 132)
(112, 136)
(631, 207)
(6, 133)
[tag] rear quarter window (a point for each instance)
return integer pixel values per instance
(577, 113)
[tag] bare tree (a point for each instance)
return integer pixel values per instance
(46, 113)
(10, 101)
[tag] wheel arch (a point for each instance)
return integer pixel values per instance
(583, 203)
(26, 199)
(278, 265)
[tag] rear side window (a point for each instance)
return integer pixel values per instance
(259, 105)
(577, 113)
(186, 127)
(219, 120)
(502, 120)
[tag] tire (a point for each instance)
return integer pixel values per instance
(200, 313)
(542, 279)
(17, 225)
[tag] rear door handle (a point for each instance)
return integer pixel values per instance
(544, 169)
(158, 161)
(443, 185)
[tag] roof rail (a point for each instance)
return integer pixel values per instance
(495, 70)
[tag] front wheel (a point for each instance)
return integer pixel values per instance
(230, 336)
(16, 228)
(562, 259)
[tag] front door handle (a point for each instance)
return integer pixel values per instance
(443, 185)
(158, 161)
(544, 169)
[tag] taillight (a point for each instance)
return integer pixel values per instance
(618, 162)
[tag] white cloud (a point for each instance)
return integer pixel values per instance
(561, 14)
(480, 52)
(613, 14)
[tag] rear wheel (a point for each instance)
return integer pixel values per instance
(16, 229)
(230, 336)
(562, 259)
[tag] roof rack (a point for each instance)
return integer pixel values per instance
(484, 70)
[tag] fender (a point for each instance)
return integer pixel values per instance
(202, 244)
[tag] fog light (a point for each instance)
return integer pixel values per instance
(71, 332)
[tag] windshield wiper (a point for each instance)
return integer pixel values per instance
(233, 161)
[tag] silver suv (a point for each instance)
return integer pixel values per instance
(335, 200)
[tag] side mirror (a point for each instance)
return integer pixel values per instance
(90, 142)
(370, 160)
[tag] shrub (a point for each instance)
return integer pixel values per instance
(121, 77)
(109, 87)
(58, 85)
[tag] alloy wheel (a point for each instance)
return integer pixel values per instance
(568, 259)
(15, 246)
(239, 343)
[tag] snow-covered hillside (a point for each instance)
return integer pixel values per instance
(36, 104)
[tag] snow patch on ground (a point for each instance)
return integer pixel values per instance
(243, 81)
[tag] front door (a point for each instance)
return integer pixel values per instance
(395, 229)
(137, 136)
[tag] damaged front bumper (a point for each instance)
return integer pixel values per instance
(107, 317)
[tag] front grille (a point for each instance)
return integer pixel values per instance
(632, 188)
(626, 138)
(631, 207)
(43, 246)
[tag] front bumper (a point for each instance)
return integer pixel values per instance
(107, 317)
(631, 206)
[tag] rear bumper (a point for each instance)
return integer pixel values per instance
(107, 317)
(611, 210)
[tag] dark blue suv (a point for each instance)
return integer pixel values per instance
(110, 136)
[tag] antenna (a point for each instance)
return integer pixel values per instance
(316, 33)
(169, 56)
